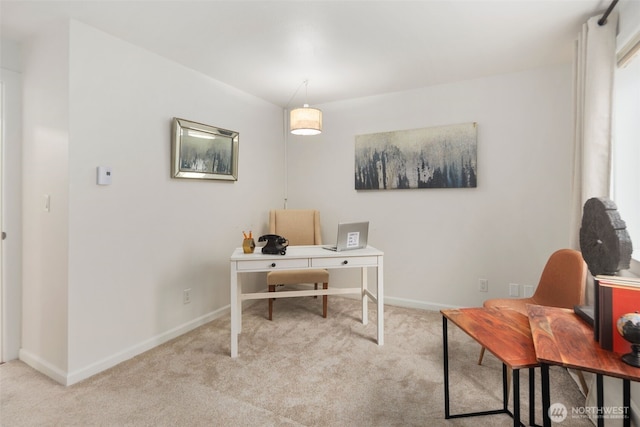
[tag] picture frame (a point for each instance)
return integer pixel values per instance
(200, 151)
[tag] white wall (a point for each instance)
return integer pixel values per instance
(11, 77)
(45, 172)
(129, 250)
(439, 242)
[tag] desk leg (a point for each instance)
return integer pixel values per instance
(365, 298)
(235, 309)
(445, 347)
(380, 301)
(239, 312)
(546, 398)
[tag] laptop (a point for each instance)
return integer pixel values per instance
(351, 235)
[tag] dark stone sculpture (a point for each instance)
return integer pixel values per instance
(604, 241)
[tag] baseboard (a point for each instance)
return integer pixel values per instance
(126, 354)
(43, 366)
(407, 303)
(422, 305)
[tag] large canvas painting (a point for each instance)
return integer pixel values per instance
(435, 157)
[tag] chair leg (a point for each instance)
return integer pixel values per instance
(315, 287)
(509, 373)
(272, 288)
(583, 383)
(324, 300)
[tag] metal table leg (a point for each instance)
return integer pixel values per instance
(600, 400)
(626, 402)
(516, 397)
(505, 392)
(532, 396)
(546, 398)
(445, 347)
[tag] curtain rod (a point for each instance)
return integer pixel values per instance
(603, 20)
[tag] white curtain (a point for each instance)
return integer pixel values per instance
(594, 64)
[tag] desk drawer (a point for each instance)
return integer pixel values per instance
(347, 261)
(266, 265)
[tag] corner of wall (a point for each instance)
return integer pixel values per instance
(45, 173)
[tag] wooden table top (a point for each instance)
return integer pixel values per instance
(561, 338)
(504, 332)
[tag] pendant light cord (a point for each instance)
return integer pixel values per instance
(285, 120)
(305, 82)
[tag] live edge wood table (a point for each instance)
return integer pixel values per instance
(561, 338)
(506, 334)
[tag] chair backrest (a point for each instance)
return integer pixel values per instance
(299, 226)
(562, 283)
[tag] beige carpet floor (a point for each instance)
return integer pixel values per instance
(297, 370)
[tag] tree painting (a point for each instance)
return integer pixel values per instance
(206, 155)
(436, 157)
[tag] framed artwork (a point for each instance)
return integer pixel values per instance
(435, 157)
(201, 151)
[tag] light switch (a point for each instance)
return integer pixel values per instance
(104, 175)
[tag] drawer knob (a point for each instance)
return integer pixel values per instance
(345, 262)
(273, 264)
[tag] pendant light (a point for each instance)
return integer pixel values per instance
(305, 120)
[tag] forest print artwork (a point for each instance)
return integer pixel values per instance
(436, 157)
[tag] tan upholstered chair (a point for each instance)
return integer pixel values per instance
(562, 284)
(300, 227)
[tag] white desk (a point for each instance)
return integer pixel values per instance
(304, 258)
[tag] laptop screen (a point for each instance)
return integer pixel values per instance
(352, 235)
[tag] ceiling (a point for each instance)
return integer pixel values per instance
(345, 49)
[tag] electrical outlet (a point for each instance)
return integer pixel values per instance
(514, 290)
(527, 291)
(186, 296)
(483, 285)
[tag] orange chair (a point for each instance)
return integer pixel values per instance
(562, 284)
(300, 227)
